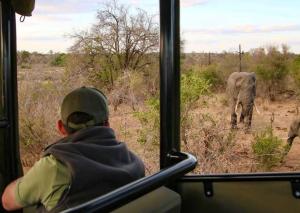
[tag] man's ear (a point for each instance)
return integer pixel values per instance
(106, 123)
(60, 127)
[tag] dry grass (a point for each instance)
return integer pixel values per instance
(218, 149)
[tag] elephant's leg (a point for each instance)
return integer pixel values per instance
(233, 115)
(243, 113)
(249, 116)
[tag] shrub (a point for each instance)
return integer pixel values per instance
(267, 148)
(295, 71)
(130, 88)
(271, 67)
(150, 121)
(211, 75)
(23, 57)
(59, 60)
(193, 86)
(215, 146)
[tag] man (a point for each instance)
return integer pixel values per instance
(86, 163)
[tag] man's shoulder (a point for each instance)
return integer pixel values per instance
(43, 183)
(48, 165)
(49, 162)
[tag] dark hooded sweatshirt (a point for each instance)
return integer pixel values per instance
(98, 164)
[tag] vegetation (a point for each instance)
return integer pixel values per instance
(295, 71)
(59, 60)
(271, 66)
(211, 75)
(149, 119)
(121, 40)
(268, 149)
(193, 87)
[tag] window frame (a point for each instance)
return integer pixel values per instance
(10, 163)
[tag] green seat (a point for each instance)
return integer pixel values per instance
(157, 201)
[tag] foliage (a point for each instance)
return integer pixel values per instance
(193, 86)
(23, 57)
(271, 66)
(211, 75)
(267, 148)
(295, 70)
(120, 40)
(130, 89)
(150, 121)
(214, 145)
(59, 60)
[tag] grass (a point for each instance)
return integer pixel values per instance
(268, 149)
(205, 130)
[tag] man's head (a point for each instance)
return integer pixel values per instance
(81, 108)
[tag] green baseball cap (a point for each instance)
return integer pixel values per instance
(87, 100)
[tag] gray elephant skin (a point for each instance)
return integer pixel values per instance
(241, 91)
(294, 131)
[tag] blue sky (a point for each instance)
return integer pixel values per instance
(206, 25)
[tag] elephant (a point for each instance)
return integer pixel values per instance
(294, 131)
(241, 91)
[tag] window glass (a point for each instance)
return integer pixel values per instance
(120, 58)
(244, 128)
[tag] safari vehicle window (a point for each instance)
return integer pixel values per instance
(240, 70)
(111, 45)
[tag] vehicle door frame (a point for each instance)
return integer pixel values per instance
(10, 165)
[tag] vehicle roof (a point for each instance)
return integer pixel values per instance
(23, 7)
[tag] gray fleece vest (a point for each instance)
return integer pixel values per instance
(98, 164)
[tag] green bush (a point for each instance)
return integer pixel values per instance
(150, 121)
(59, 60)
(23, 57)
(193, 86)
(268, 148)
(210, 74)
(295, 71)
(271, 67)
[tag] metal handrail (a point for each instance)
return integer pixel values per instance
(3, 123)
(138, 188)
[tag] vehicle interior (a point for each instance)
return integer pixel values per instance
(173, 188)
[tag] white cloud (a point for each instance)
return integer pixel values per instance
(229, 42)
(135, 2)
(66, 6)
(190, 3)
(246, 29)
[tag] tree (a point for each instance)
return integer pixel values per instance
(271, 66)
(119, 40)
(23, 57)
(295, 70)
(58, 60)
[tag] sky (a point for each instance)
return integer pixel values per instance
(206, 25)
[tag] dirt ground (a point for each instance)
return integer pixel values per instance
(283, 112)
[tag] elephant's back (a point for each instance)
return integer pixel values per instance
(237, 75)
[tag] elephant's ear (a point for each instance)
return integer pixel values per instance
(298, 124)
(239, 82)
